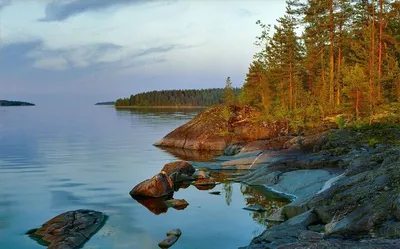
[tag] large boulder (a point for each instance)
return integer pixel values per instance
(158, 186)
(180, 167)
(69, 230)
(221, 125)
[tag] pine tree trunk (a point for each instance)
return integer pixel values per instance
(339, 67)
(331, 55)
(291, 85)
(372, 61)
(380, 50)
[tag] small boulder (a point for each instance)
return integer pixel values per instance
(200, 174)
(180, 178)
(168, 242)
(177, 232)
(158, 186)
(69, 230)
(181, 167)
(177, 204)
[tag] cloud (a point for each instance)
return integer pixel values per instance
(75, 57)
(4, 3)
(62, 10)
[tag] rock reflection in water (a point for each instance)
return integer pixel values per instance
(192, 155)
(270, 201)
(155, 205)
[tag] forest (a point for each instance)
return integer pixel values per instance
(203, 97)
(325, 58)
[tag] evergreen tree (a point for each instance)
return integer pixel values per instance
(228, 92)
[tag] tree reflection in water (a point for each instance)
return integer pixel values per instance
(228, 192)
(261, 196)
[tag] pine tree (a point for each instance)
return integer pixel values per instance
(228, 92)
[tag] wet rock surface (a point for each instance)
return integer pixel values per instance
(158, 186)
(69, 230)
(180, 167)
(355, 203)
(172, 237)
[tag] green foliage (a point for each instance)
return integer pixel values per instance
(372, 142)
(341, 123)
(226, 113)
(346, 62)
(228, 92)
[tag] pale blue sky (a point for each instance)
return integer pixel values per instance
(105, 49)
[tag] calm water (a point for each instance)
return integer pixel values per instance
(54, 160)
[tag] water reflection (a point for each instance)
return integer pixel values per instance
(176, 113)
(155, 205)
(192, 155)
(260, 196)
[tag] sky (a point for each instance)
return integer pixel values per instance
(101, 50)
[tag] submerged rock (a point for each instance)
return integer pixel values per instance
(177, 232)
(177, 204)
(200, 174)
(69, 230)
(169, 241)
(205, 182)
(255, 208)
(158, 186)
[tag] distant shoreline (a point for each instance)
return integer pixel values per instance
(160, 107)
(13, 103)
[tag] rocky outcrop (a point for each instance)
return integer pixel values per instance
(158, 186)
(356, 203)
(69, 230)
(276, 143)
(219, 126)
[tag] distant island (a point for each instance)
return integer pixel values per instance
(175, 98)
(106, 103)
(15, 103)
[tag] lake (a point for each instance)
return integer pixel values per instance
(56, 159)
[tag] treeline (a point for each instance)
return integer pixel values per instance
(203, 97)
(327, 57)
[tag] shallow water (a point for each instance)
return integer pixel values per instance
(54, 160)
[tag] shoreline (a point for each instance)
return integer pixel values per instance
(160, 107)
(323, 174)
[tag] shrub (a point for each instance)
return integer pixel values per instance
(341, 123)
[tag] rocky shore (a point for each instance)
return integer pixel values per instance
(344, 185)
